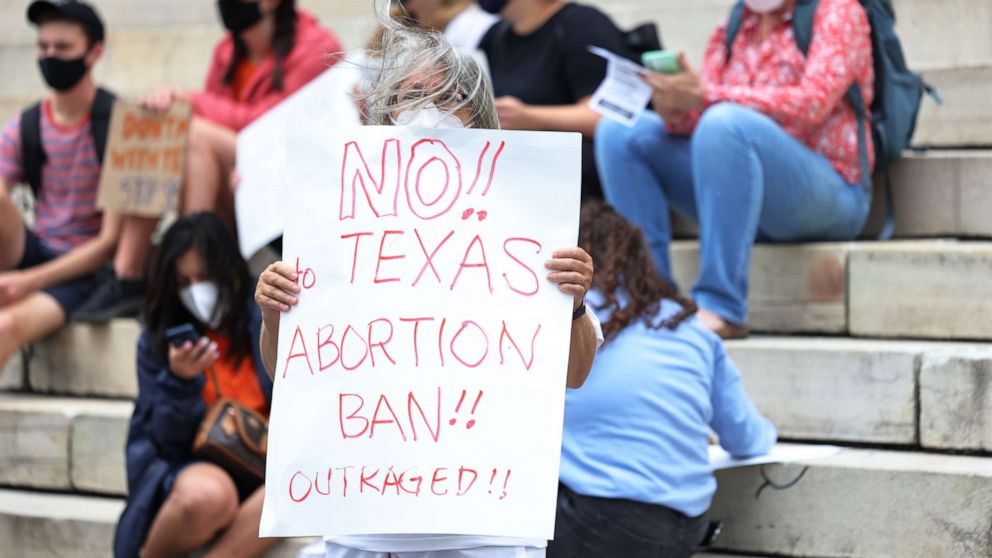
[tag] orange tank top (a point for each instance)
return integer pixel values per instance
(238, 381)
(243, 74)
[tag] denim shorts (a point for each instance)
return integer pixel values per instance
(71, 294)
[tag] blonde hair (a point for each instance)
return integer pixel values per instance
(417, 67)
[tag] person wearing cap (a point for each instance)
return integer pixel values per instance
(271, 51)
(48, 273)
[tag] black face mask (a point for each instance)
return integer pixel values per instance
(62, 75)
(238, 16)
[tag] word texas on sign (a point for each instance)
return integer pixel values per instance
(421, 378)
(145, 158)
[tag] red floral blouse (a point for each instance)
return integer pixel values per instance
(804, 94)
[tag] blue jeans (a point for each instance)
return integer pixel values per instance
(741, 177)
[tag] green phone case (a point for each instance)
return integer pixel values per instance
(661, 61)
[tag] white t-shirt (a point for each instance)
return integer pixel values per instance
(466, 29)
(420, 543)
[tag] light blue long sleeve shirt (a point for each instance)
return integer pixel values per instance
(638, 429)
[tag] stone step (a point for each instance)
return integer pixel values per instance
(934, 289)
(63, 444)
(860, 503)
(930, 395)
(81, 360)
(872, 388)
(37, 525)
(937, 193)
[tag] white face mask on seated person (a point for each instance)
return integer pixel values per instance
(764, 6)
(201, 301)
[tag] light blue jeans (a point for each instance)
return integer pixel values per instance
(741, 177)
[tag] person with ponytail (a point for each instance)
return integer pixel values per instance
(635, 473)
(272, 49)
(178, 503)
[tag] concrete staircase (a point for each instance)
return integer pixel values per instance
(879, 347)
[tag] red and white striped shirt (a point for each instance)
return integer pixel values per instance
(65, 213)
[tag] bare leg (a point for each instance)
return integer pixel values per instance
(11, 232)
(29, 319)
(241, 538)
(132, 249)
(209, 163)
(203, 501)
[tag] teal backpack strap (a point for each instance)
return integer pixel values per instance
(733, 28)
(802, 23)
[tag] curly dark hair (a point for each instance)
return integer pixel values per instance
(283, 40)
(623, 265)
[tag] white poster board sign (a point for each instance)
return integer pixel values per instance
(325, 103)
(420, 381)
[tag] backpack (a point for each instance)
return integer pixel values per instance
(898, 91)
(33, 155)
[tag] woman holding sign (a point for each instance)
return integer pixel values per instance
(429, 83)
(636, 479)
(200, 324)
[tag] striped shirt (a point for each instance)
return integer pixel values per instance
(65, 212)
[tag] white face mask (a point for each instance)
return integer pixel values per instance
(428, 117)
(201, 301)
(764, 6)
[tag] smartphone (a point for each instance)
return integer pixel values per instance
(179, 335)
(662, 61)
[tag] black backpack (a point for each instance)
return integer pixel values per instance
(33, 155)
(898, 91)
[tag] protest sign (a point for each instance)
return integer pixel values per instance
(420, 380)
(325, 104)
(144, 159)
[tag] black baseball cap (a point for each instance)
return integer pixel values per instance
(71, 10)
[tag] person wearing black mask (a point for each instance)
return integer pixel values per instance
(47, 274)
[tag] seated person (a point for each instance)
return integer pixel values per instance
(635, 473)
(176, 502)
(418, 61)
(462, 21)
(543, 73)
(271, 51)
(761, 146)
(47, 274)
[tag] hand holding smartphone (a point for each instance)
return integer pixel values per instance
(662, 61)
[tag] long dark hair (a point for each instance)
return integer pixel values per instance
(205, 234)
(283, 40)
(623, 265)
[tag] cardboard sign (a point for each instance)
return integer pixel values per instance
(325, 104)
(420, 380)
(145, 158)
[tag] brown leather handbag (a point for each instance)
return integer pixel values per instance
(235, 438)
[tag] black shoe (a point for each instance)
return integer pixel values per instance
(113, 298)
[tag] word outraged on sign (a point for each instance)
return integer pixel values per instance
(144, 161)
(421, 378)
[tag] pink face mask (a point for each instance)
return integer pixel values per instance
(764, 6)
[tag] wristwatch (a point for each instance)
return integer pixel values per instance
(580, 311)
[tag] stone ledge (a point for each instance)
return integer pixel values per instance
(956, 401)
(34, 525)
(926, 290)
(861, 503)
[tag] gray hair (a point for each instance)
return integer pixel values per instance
(417, 67)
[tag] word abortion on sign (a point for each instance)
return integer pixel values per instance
(420, 380)
(144, 161)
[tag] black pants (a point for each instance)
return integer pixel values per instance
(589, 527)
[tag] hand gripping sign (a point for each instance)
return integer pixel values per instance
(421, 379)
